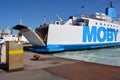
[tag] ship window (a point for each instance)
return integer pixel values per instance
(81, 22)
(13, 35)
(104, 24)
(100, 23)
(1, 37)
(107, 24)
(96, 23)
(57, 22)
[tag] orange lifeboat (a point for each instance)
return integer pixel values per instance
(4, 33)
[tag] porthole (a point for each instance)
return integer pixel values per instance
(96, 23)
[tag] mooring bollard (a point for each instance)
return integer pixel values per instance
(14, 55)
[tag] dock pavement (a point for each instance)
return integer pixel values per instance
(54, 68)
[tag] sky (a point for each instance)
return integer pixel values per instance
(34, 12)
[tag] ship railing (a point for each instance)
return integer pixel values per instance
(82, 16)
(117, 21)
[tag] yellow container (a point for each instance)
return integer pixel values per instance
(14, 55)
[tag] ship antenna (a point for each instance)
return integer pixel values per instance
(111, 4)
(20, 21)
(11, 31)
(44, 19)
(83, 7)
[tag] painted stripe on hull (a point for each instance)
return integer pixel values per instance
(88, 46)
(69, 47)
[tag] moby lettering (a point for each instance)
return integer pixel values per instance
(100, 34)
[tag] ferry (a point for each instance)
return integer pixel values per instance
(79, 32)
(6, 34)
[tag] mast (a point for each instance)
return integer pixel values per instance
(20, 21)
(111, 6)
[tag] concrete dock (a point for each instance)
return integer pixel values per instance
(53, 68)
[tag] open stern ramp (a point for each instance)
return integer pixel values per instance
(31, 36)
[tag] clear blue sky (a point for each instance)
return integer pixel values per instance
(32, 12)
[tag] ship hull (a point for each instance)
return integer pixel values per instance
(72, 47)
(67, 38)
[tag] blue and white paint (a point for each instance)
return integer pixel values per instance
(77, 33)
(94, 34)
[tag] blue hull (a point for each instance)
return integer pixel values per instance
(59, 48)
